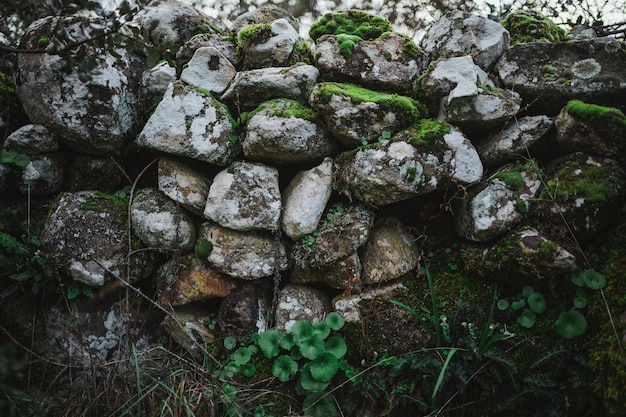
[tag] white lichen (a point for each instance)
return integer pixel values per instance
(586, 68)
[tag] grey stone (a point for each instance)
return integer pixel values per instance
(183, 184)
(31, 140)
(298, 302)
(43, 175)
(271, 48)
(209, 69)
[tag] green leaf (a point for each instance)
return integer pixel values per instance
(311, 347)
(248, 370)
(442, 372)
(269, 343)
(321, 330)
(21, 160)
(310, 384)
(577, 277)
(518, 304)
(537, 302)
(337, 346)
(324, 367)
(320, 404)
(571, 324)
(301, 330)
(335, 321)
(284, 368)
(527, 319)
(503, 304)
(230, 342)
(203, 248)
(242, 355)
(593, 279)
(527, 291)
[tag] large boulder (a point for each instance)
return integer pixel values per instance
(91, 106)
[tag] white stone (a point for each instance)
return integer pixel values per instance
(209, 69)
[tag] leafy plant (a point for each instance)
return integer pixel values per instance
(14, 157)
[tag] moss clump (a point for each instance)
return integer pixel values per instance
(530, 26)
(426, 130)
(281, 107)
(347, 43)
(250, 32)
(360, 95)
(512, 179)
(590, 182)
(350, 22)
(583, 110)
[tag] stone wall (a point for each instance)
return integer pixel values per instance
(263, 173)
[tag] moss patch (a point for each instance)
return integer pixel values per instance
(281, 107)
(590, 182)
(425, 131)
(583, 110)
(530, 26)
(347, 43)
(360, 95)
(350, 22)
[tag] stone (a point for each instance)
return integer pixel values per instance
(514, 140)
(342, 231)
(154, 83)
(531, 26)
(244, 255)
(183, 280)
(89, 230)
(183, 184)
(209, 69)
(458, 33)
(283, 131)
(245, 196)
(189, 326)
(414, 162)
(192, 124)
(305, 198)
(267, 44)
(587, 191)
(31, 140)
(342, 274)
(600, 130)
(548, 75)
(356, 115)
(224, 44)
(391, 62)
(497, 205)
(299, 302)
(159, 223)
(242, 312)
(92, 112)
(251, 88)
(44, 175)
(519, 257)
(264, 14)
(390, 252)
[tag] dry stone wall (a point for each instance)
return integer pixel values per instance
(302, 177)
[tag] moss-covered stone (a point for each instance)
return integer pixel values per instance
(350, 22)
(425, 131)
(359, 95)
(531, 26)
(587, 111)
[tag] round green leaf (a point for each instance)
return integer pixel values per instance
(286, 341)
(335, 321)
(324, 367)
(269, 343)
(577, 277)
(503, 304)
(301, 330)
(527, 319)
(580, 302)
(311, 347)
(593, 279)
(310, 384)
(203, 248)
(284, 368)
(321, 330)
(242, 355)
(232, 368)
(21, 160)
(571, 324)
(337, 346)
(537, 302)
(527, 291)
(518, 304)
(248, 370)
(230, 342)
(320, 404)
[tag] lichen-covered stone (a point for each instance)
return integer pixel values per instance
(245, 255)
(91, 111)
(44, 175)
(224, 44)
(299, 302)
(356, 115)
(209, 69)
(283, 131)
(390, 252)
(267, 44)
(342, 231)
(191, 123)
(182, 280)
(87, 230)
(414, 162)
(458, 33)
(154, 83)
(264, 14)
(513, 141)
(183, 184)
(31, 140)
(159, 223)
(245, 196)
(390, 62)
(305, 199)
(548, 75)
(251, 88)
(343, 274)
(532, 26)
(497, 205)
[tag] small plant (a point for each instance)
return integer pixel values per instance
(13, 157)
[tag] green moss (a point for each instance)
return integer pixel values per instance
(425, 131)
(530, 26)
(512, 179)
(350, 22)
(253, 31)
(302, 52)
(587, 111)
(591, 183)
(347, 43)
(281, 107)
(547, 248)
(360, 95)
